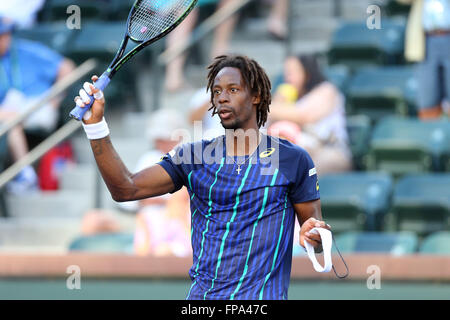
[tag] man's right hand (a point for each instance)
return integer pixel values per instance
(95, 114)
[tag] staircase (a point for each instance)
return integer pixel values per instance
(47, 221)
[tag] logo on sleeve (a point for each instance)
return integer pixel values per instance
(312, 171)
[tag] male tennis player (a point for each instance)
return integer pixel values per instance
(243, 202)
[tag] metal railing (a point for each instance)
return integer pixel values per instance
(167, 56)
(57, 137)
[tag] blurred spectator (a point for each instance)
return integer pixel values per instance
(428, 42)
(97, 221)
(222, 35)
(27, 70)
(277, 20)
(199, 111)
(316, 110)
(162, 223)
(22, 12)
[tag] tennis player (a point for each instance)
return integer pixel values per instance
(246, 188)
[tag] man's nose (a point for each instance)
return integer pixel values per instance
(223, 97)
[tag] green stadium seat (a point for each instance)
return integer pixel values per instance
(395, 8)
(355, 200)
(421, 203)
(399, 243)
(408, 145)
(108, 36)
(56, 10)
(339, 75)
(108, 39)
(359, 130)
(436, 243)
(382, 91)
(54, 35)
(104, 243)
(355, 45)
(119, 9)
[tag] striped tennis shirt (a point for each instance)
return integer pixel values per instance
(242, 221)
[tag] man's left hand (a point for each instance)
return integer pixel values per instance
(311, 238)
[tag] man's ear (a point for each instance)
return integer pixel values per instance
(256, 99)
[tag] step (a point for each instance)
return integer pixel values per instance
(49, 204)
(80, 177)
(48, 234)
(303, 28)
(129, 149)
(38, 232)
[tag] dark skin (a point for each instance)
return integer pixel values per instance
(232, 95)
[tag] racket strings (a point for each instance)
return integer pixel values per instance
(152, 17)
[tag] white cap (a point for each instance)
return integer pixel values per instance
(163, 123)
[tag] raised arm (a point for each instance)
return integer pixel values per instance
(121, 183)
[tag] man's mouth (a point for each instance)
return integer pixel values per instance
(225, 114)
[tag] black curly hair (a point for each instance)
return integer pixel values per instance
(254, 77)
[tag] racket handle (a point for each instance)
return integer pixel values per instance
(78, 112)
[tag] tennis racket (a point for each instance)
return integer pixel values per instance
(148, 21)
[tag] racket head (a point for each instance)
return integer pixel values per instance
(150, 20)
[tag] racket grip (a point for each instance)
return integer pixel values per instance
(78, 112)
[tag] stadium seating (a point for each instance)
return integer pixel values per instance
(406, 145)
(399, 243)
(436, 243)
(339, 75)
(382, 91)
(355, 45)
(359, 130)
(56, 10)
(356, 200)
(108, 39)
(395, 8)
(421, 203)
(119, 9)
(54, 35)
(104, 243)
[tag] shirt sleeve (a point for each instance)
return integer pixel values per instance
(173, 164)
(306, 185)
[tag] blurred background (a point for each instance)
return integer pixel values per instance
(352, 84)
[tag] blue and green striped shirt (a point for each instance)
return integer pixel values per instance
(242, 223)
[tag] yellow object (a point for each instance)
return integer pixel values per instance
(288, 91)
(415, 33)
(267, 153)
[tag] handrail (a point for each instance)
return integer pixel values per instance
(53, 92)
(60, 135)
(202, 30)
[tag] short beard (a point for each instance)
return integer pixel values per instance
(234, 125)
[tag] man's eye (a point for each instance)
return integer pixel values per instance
(216, 92)
(234, 90)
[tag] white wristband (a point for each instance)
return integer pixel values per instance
(325, 235)
(97, 130)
